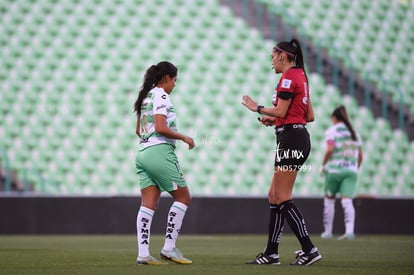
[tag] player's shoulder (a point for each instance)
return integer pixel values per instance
(159, 93)
(331, 130)
(287, 80)
(290, 78)
(293, 73)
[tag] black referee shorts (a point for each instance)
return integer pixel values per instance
(292, 146)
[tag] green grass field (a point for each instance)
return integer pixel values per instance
(223, 254)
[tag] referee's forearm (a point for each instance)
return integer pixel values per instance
(273, 112)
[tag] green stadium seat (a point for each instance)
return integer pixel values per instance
(73, 70)
(382, 25)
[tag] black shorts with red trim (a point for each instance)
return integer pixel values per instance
(292, 146)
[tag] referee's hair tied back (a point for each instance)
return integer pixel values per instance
(295, 43)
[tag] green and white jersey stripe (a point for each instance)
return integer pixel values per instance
(345, 153)
(156, 103)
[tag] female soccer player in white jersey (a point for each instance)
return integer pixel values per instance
(156, 163)
(340, 165)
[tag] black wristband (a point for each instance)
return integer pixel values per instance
(259, 108)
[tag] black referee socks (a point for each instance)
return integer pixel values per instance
(297, 224)
(276, 225)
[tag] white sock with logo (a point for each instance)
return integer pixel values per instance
(174, 222)
(144, 220)
(349, 215)
(328, 214)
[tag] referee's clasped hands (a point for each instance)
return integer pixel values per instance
(267, 120)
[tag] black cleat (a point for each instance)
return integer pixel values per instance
(303, 258)
(264, 259)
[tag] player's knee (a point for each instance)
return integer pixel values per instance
(276, 198)
(188, 200)
(184, 200)
(153, 205)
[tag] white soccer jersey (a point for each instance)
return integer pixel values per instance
(345, 153)
(156, 103)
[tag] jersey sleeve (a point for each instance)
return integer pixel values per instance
(161, 104)
(287, 82)
(287, 86)
(330, 135)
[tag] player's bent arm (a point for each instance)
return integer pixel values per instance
(328, 153)
(162, 129)
(360, 157)
(280, 110)
(137, 128)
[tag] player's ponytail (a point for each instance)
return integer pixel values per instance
(299, 55)
(341, 115)
(293, 52)
(152, 76)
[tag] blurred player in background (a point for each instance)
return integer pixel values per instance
(340, 165)
(156, 163)
(291, 110)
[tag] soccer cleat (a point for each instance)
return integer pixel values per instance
(326, 235)
(349, 236)
(175, 256)
(149, 260)
(264, 259)
(303, 258)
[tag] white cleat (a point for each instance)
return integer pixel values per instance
(349, 236)
(175, 256)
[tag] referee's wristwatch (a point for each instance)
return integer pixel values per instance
(259, 108)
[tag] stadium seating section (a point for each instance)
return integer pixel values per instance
(70, 72)
(374, 38)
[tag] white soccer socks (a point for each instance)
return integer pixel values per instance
(144, 220)
(174, 222)
(349, 215)
(328, 216)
